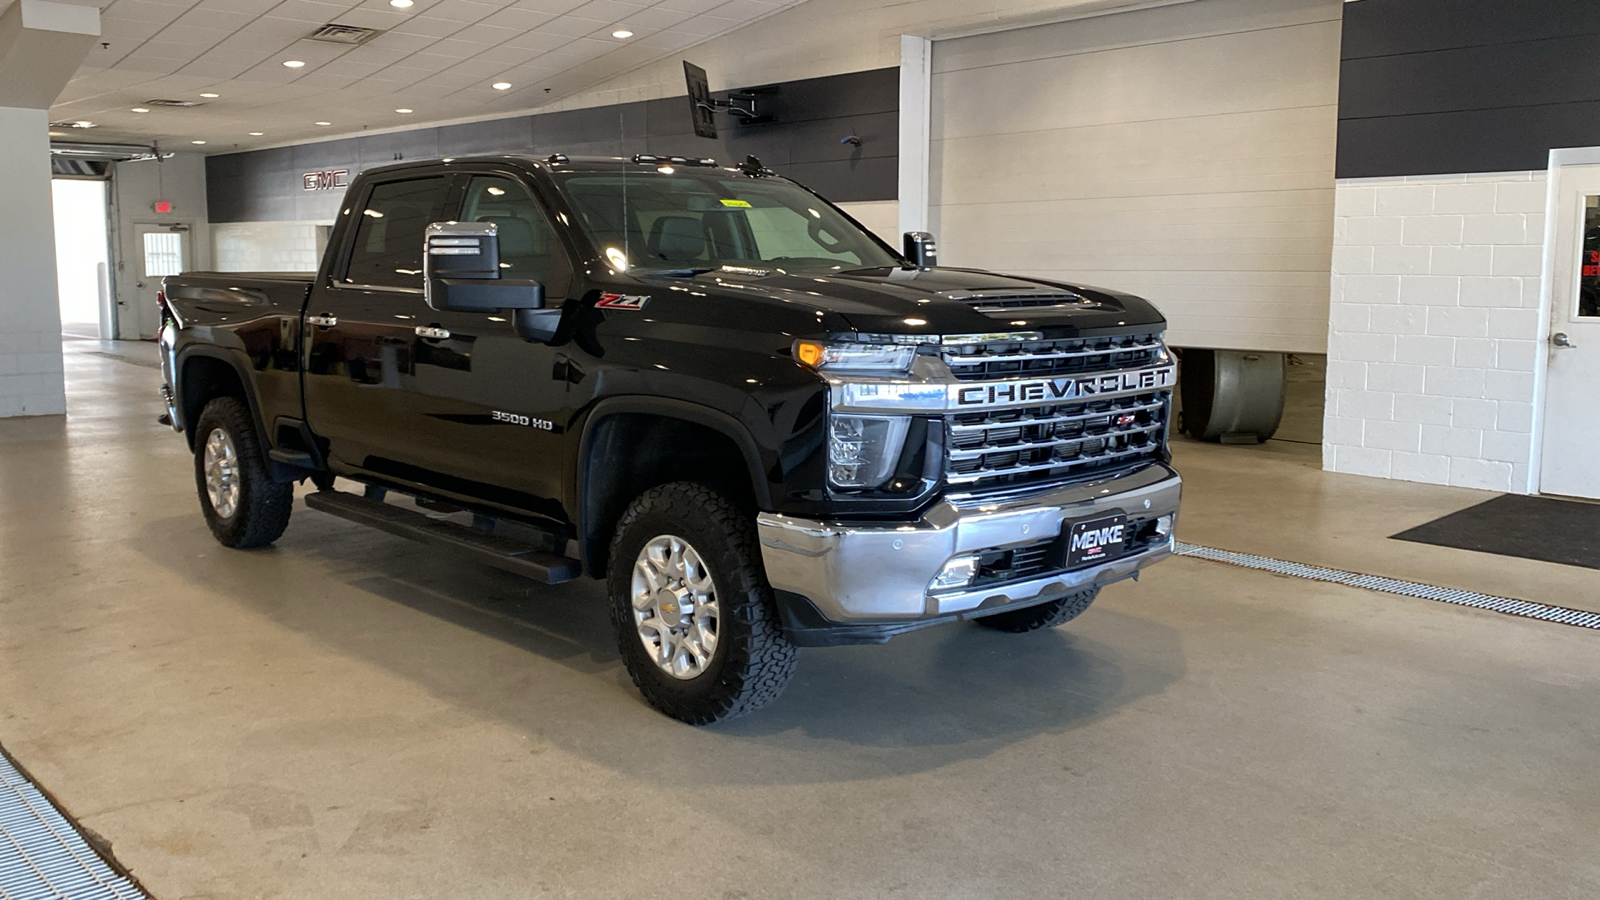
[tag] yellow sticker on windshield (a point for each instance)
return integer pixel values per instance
(741, 204)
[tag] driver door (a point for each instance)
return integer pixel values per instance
(488, 410)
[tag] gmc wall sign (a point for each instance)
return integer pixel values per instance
(333, 179)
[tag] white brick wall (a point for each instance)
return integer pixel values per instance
(30, 319)
(1433, 323)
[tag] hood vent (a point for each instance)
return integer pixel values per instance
(335, 33)
(1003, 301)
(180, 103)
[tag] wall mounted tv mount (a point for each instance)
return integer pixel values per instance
(741, 104)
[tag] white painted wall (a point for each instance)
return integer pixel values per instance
(1435, 328)
(30, 321)
(266, 246)
(1184, 154)
(881, 217)
(135, 187)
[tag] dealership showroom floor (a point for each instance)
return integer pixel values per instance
(1046, 449)
(341, 716)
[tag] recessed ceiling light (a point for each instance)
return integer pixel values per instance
(83, 123)
(324, 123)
(501, 85)
(294, 63)
(257, 133)
(402, 110)
(622, 33)
(402, 4)
(140, 109)
(197, 142)
(210, 96)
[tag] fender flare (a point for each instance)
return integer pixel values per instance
(186, 355)
(671, 408)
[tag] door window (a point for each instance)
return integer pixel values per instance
(389, 232)
(1589, 280)
(529, 246)
(163, 253)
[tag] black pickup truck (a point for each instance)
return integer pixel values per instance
(762, 425)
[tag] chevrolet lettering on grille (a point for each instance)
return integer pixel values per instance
(1049, 390)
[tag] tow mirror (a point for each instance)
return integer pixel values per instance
(461, 273)
(920, 249)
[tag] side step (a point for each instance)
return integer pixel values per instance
(501, 552)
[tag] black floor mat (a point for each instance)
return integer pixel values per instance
(1558, 531)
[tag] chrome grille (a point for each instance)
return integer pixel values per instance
(1046, 359)
(1006, 447)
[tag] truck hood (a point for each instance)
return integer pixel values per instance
(935, 301)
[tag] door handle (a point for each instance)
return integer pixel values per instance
(323, 321)
(1561, 340)
(433, 333)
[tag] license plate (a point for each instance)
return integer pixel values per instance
(1095, 540)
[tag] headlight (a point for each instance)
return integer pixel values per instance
(863, 450)
(855, 357)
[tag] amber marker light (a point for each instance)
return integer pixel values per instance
(808, 352)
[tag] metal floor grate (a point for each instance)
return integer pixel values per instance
(42, 856)
(1511, 607)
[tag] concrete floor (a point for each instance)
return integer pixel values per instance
(343, 716)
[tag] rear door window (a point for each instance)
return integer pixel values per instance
(389, 231)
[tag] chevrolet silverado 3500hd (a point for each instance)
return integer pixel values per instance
(764, 427)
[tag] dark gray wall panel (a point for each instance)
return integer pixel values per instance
(813, 115)
(1448, 86)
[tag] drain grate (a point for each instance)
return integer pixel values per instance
(1511, 607)
(42, 857)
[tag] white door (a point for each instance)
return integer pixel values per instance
(162, 250)
(1183, 153)
(1572, 386)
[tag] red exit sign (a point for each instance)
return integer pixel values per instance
(329, 180)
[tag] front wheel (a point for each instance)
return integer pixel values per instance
(696, 622)
(1048, 614)
(243, 506)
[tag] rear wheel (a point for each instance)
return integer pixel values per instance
(1049, 614)
(242, 505)
(696, 623)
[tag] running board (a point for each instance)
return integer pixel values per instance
(500, 552)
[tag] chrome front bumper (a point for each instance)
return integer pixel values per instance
(866, 574)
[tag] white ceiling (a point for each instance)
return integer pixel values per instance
(438, 58)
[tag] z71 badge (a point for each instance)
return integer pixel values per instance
(632, 303)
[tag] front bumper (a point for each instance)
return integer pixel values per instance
(870, 581)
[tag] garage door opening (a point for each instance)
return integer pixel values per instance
(82, 257)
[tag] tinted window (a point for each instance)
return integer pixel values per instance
(529, 247)
(666, 218)
(388, 247)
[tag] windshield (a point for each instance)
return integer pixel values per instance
(701, 220)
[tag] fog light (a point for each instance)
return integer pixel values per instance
(1164, 524)
(957, 573)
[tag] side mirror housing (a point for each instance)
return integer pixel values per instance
(920, 249)
(461, 273)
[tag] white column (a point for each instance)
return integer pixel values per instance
(41, 44)
(916, 99)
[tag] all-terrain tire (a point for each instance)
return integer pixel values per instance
(262, 511)
(1049, 614)
(752, 661)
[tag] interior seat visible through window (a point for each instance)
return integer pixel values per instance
(529, 247)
